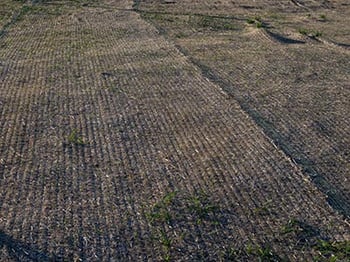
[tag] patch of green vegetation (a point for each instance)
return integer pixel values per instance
(75, 139)
(38, 10)
(291, 226)
(303, 31)
(323, 17)
(12, 12)
(303, 233)
(160, 212)
(256, 21)
(159, 215)
(166, 242)
(250, 21)
(333, 251)
(317, 34)
(310, 33)
(171, 217)
(196, 207)
(263, 253)
(196, 21)
(201, 207)
(231, 254)
(214, 23)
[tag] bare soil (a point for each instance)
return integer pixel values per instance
(174, 130)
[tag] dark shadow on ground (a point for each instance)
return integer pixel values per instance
(20, 251)
(283, 39)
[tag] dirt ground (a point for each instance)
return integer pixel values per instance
(174, 130)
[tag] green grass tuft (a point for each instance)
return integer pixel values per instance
(74, 138)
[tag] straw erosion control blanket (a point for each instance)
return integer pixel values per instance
(174, 131)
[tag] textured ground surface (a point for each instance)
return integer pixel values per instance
(174, 131)
(287, 64)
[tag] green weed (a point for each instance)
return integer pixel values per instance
(201, 206)
(291, 226)
(333, 251)
(250, 249)
(212, 23)
(231, 254)
(263, 253)
(256, 21)
(310, 33)
(74, 138)
(259, 24)
(160, 212)
(303, 233)
(159, 216)
(165, 241)
(323, 17)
